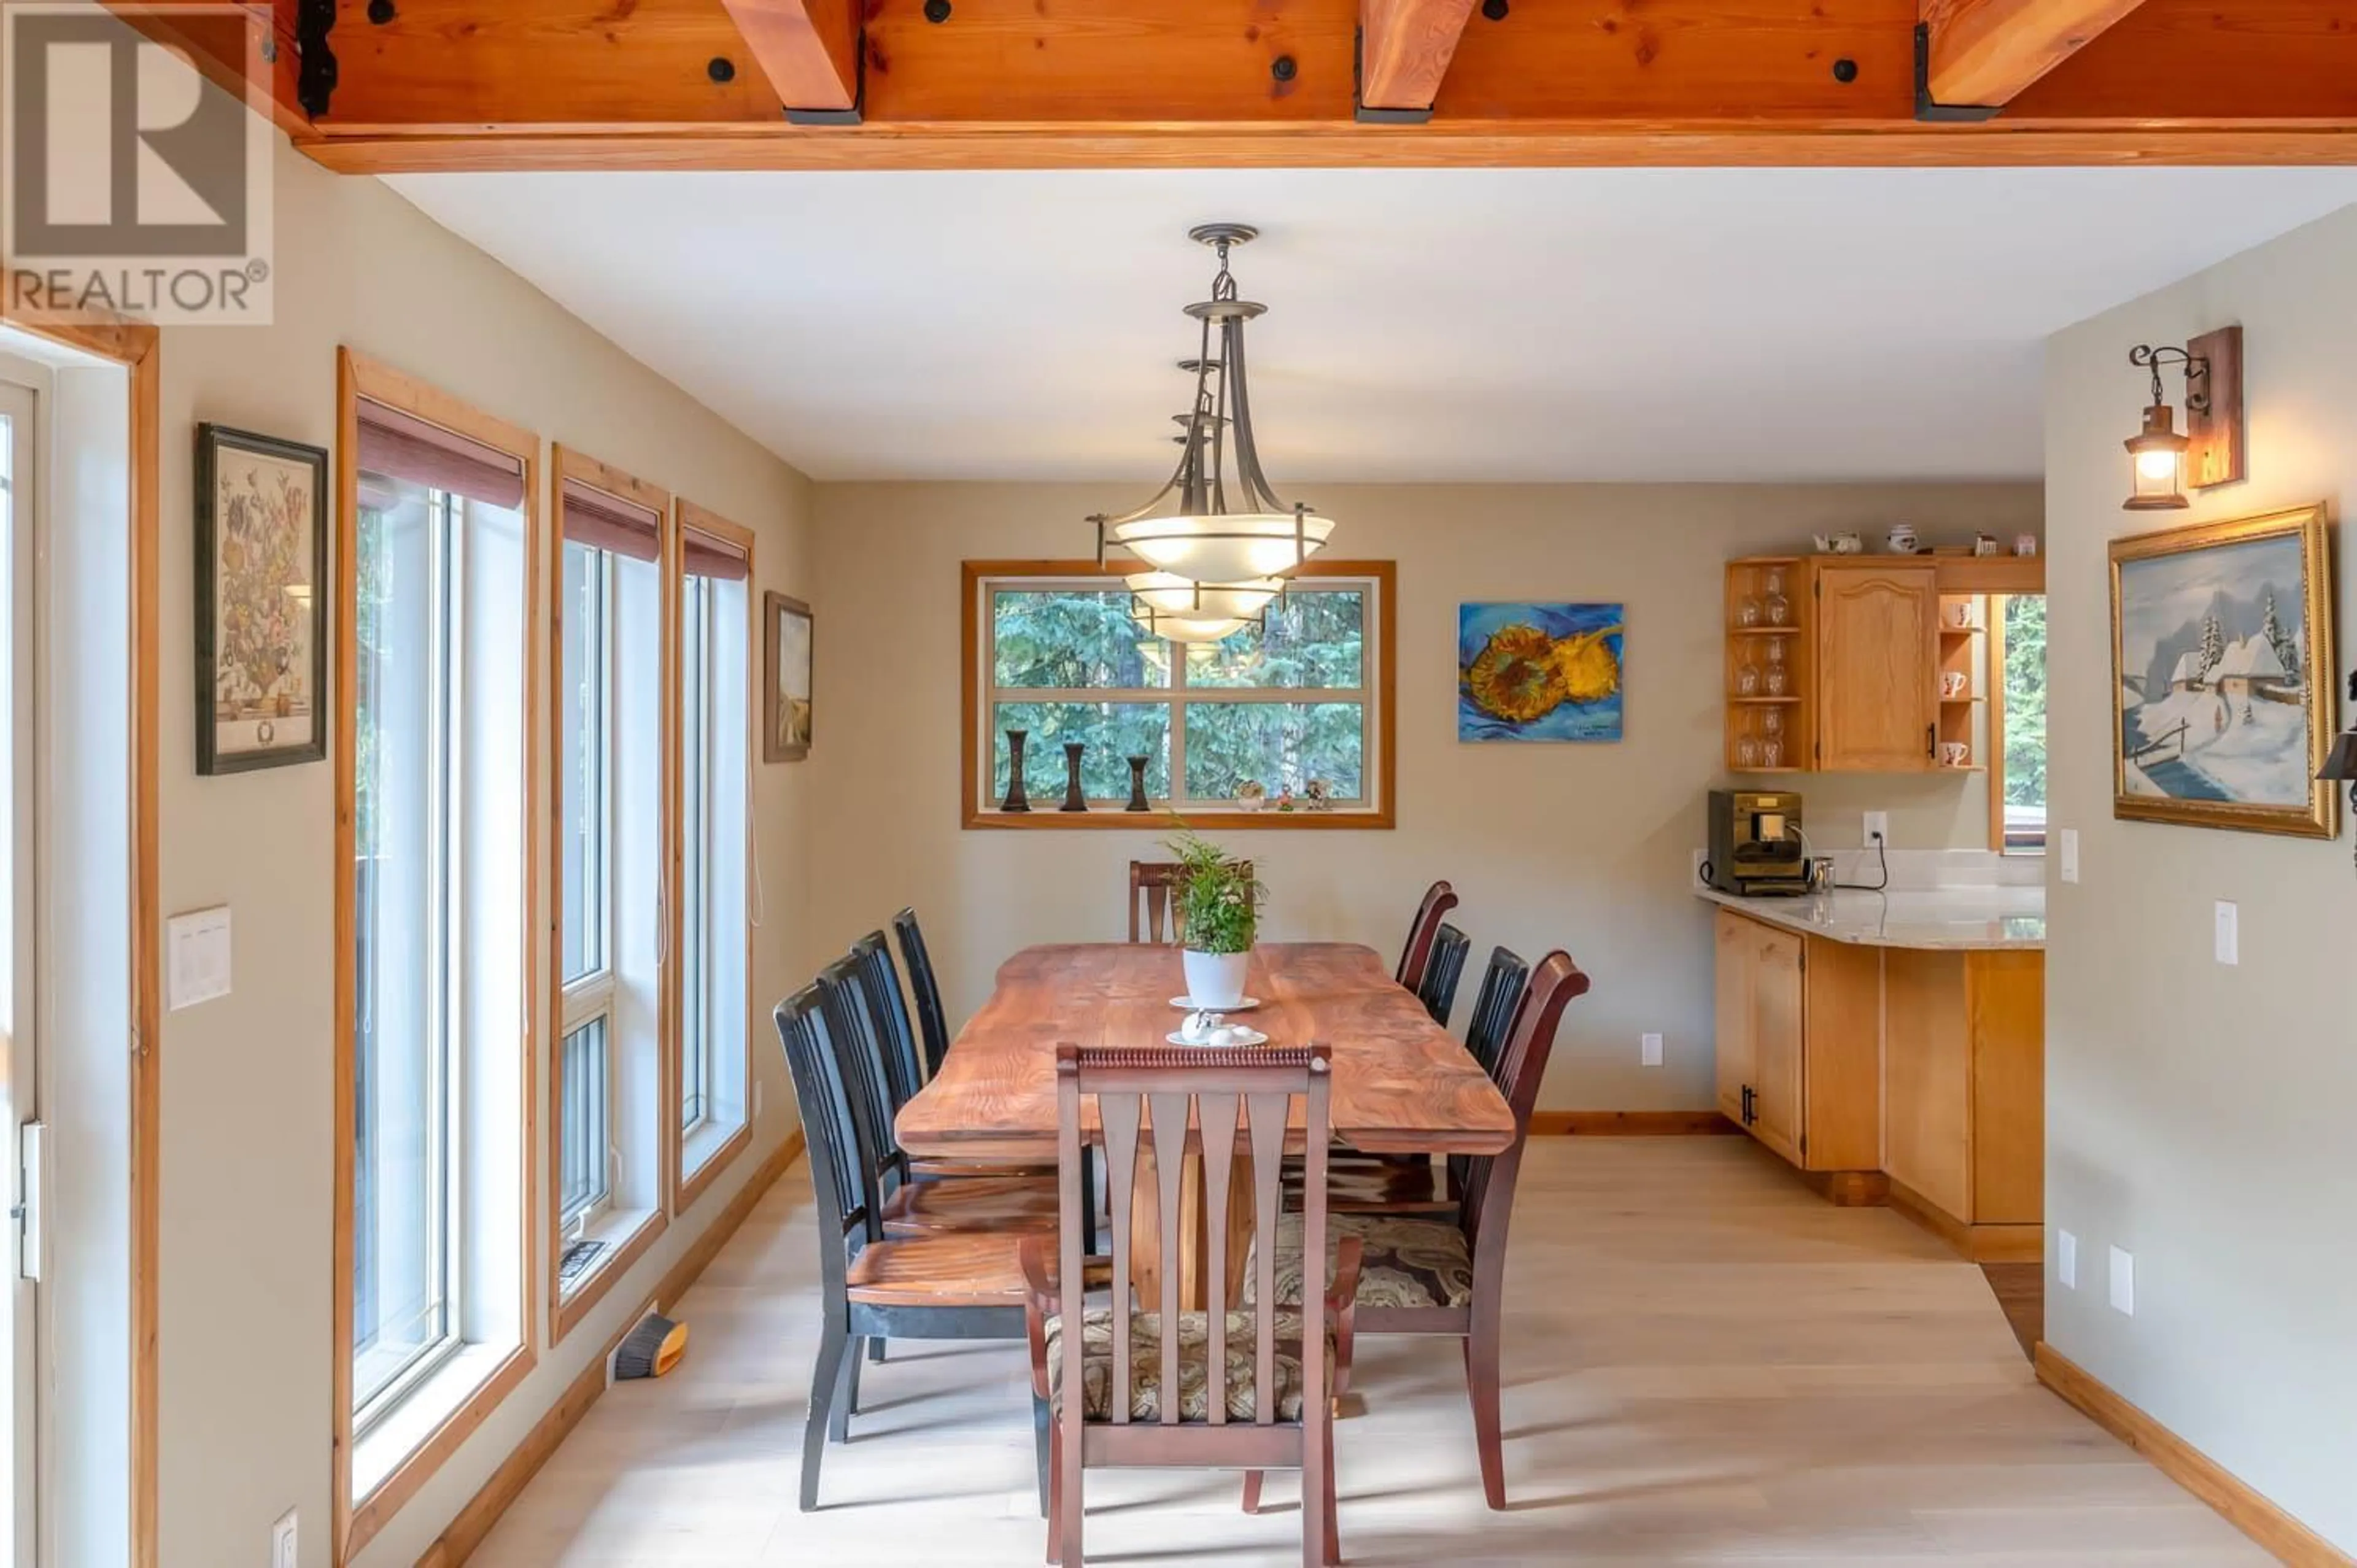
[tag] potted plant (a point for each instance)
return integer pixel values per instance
(1219, 909)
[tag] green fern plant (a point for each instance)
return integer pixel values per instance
(1218, 898)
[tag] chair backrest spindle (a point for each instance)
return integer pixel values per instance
(932, 1020)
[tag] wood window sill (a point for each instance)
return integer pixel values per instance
(627, 1233)
(1160, 820)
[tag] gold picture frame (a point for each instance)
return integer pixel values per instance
(2208, 675)
(788, 639)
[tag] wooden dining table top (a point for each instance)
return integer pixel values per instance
(1402, 1084)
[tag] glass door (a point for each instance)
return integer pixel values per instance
(19, 1131)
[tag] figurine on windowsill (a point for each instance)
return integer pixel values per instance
(1252, 795)
(1317, 795)
(1285, 798)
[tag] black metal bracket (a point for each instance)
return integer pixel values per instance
(1932, 113)
(1360, 112)
(850, 116)
(315, 79)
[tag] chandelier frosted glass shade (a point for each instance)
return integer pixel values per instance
(1170, 594)
(1223, 548)
(1190, 627)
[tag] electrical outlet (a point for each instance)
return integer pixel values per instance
(1700, 857)
(1878, 828)
(2230, 935)
(282, 1542)
(2066, 1259)
(2123, 1282)
(2070, 855)
(1651, 1049)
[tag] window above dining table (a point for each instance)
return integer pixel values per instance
(1285, 722)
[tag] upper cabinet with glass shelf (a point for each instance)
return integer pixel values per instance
(1284, 723)
(1863, 663)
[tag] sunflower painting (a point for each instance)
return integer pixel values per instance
(1539, 671)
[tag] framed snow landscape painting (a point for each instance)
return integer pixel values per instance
(2222, 657)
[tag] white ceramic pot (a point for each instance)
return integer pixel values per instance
(1216, 981)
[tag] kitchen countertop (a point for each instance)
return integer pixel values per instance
(1958, 918)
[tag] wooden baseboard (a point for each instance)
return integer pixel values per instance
(1629, 1123)
(1975, 1244)
(2236, 1503)
(466, 1533)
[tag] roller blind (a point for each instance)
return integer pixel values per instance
(705, 556)
(398, 446)
(604, 522)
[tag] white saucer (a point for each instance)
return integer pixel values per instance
(1244, 1037)
(1188, 1005)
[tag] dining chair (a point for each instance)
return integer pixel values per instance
(1154, 899)
(960, 1286)
(1442, 971)
(932, 1020)
(1439, 899)
(1132, 1384)
(1444, 1276)
(1360, 1183)
(884, 1013)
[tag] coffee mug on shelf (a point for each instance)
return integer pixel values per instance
(1954, 753)
(1952, 684)
(1960, 615)
(2025, 544)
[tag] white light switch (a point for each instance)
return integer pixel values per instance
(2230, 938)
(1650, 1048)
(282, 1542)
(2123, 1282)
(2070, 855)
(2066, 1259)
(197, 949)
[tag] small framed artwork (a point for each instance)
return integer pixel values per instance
(261, 570)
(786, 679)
(1532, 671)
(2222, 663)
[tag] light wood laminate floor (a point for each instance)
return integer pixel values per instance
(1704, 1364)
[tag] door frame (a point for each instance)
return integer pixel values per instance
(137, 347)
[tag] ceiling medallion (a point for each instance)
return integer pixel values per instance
(1220, 554)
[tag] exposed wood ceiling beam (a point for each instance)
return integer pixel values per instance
(808, 48)
(263, 50)
(1986, 52)
(1080, 83)
(1404, 46)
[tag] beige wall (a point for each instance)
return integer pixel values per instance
(248, 1081)
(1587, 847)
(2197, 1115)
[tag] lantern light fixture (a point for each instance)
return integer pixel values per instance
(2156, 453)
(1223, 529)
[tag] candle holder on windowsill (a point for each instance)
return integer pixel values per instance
(1075, 799)
(1017, 801)
(1137, 801)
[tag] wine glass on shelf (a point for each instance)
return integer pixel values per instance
(1772, 753)
(1747, 680)
(1779, 608)
(1771, 723)
(1747, 753)
(1775, 679)
(1747, 613)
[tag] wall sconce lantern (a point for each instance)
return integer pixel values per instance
(2341, 762)
(2161, 462)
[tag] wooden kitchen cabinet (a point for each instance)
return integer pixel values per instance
(1876, 665)
(1965, 1127)
(1800, 1045)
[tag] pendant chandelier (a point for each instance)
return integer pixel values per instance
(1229, 538)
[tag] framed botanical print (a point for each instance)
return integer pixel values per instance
(786, 679)
(2223, 675)
(261, 603)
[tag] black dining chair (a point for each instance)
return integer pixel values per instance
(1439, 899)
(873, 1287)
(932, 1021)
(1442, 972)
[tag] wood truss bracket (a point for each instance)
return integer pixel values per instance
(315, 84)
(1359, 110)
(850, 116)
(1932, 113)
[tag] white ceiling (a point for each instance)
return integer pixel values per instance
(1424, 325)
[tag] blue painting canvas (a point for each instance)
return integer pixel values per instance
(1539, 671)
(2217, 669)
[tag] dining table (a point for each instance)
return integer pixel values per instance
(1401, 1083)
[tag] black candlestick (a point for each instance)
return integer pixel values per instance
(1137, 801)
(1017, 801)
(1075, 798)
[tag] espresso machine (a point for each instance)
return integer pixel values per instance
(1756, 847)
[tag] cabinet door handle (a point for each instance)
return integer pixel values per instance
(1931, 740)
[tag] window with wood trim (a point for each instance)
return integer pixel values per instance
(1286, 722)
(2017, 723)
(438, 910)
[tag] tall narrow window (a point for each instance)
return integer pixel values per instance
(2018, 721)
(716, 731)
(607, 1097)
(437, 904)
